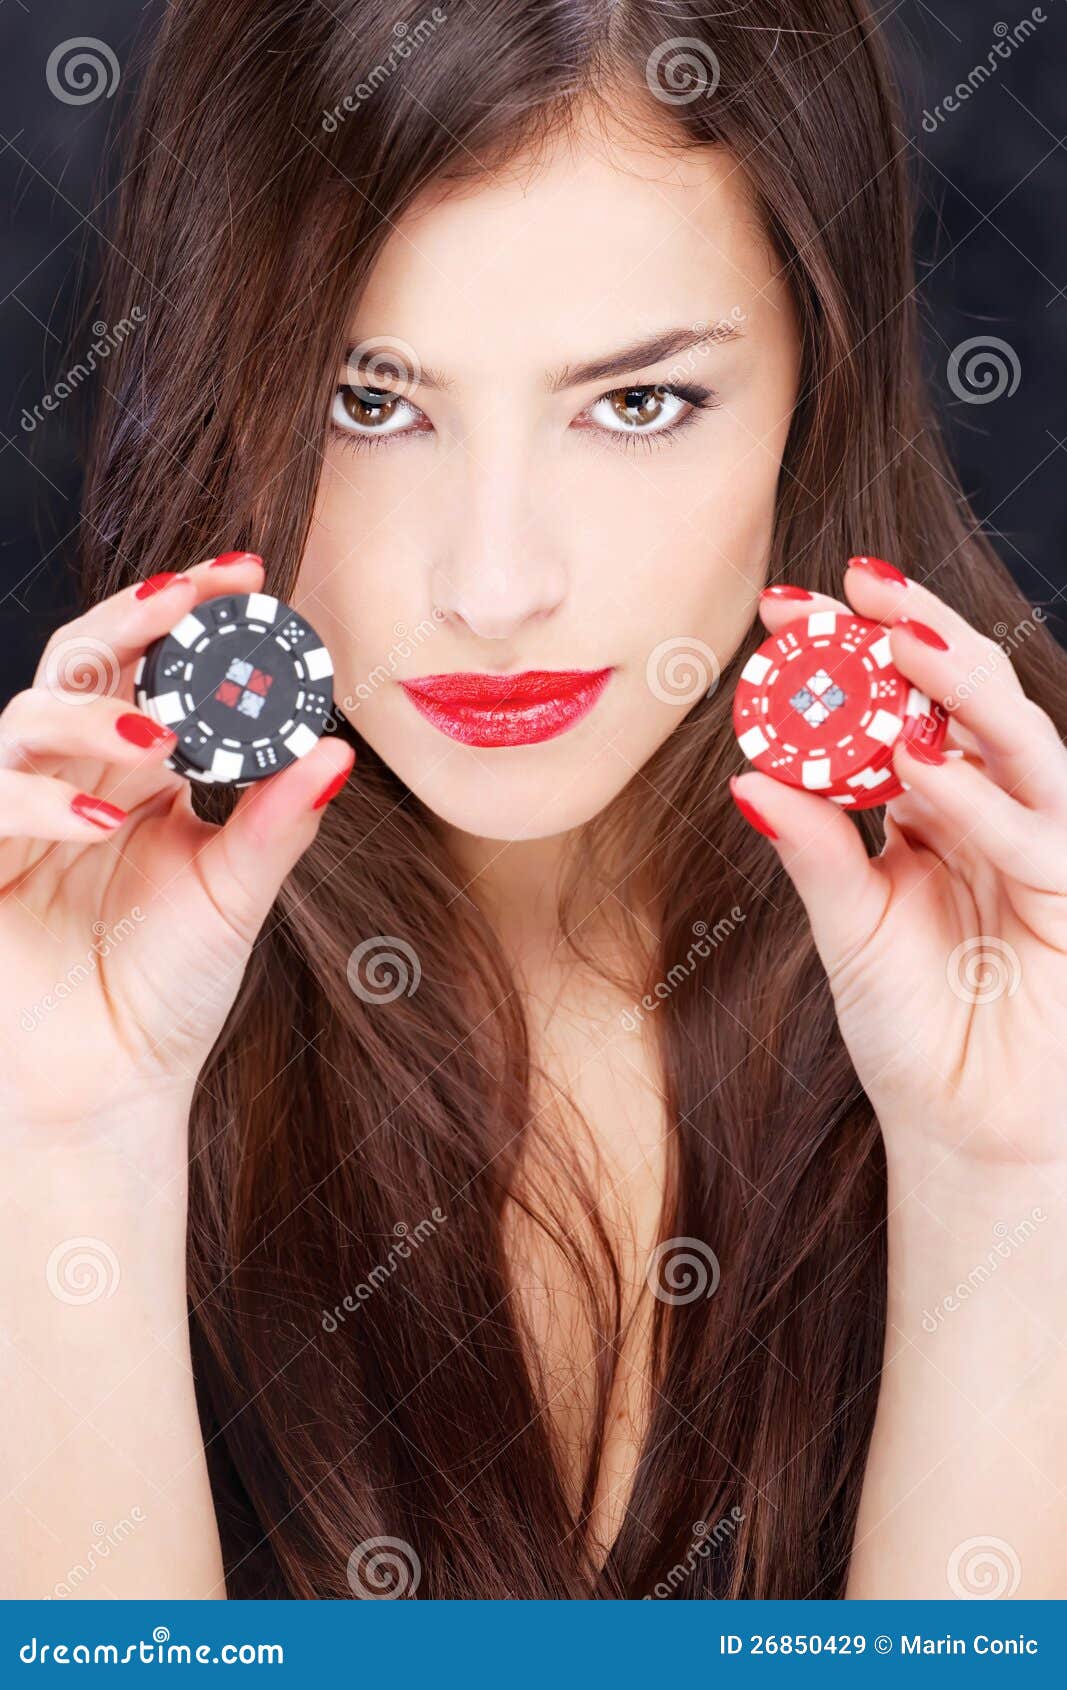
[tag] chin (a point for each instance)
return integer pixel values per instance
(508, 794)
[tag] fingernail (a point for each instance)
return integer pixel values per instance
(226, 558)
(878, 567)
(751, 814)
(785, 592)
(97, 810)
(928, 636)
(921, 752)
(141, 730)
(156, 583)
(333, 789)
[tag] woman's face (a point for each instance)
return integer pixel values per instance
(550, 493)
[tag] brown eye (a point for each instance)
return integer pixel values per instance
(362, 412)
(638, 406)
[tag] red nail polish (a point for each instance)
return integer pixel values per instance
(156, 583)
(921, 752)
(878, 567)
(333, 789)
(97, 810)
(751, 814)
(928, 636)
(226, 558)
(785, 592)
(141, 730)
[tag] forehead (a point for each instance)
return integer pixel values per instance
(604, 236)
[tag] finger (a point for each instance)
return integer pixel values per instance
(90, 654)
(973, 678)
(40, 807)
(38, 726)
(1025, 845)
(824, 856)
(783, 603)
(245, 862)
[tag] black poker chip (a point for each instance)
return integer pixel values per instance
(246, 684)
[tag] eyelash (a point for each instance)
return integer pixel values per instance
(698, 398)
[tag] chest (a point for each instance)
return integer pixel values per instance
(598, 1164)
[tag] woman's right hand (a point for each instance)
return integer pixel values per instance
(126, 923)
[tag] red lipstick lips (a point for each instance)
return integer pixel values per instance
(495, 710)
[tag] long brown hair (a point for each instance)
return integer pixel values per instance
(363, 1369)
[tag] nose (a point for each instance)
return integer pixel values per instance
(500, 567)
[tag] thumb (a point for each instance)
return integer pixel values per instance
(825, 858)
(245, 862)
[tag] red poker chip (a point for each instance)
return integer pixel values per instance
(820, 705)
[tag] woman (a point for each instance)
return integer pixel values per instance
(583, 1140)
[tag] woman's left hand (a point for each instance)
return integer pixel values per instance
(946, 954)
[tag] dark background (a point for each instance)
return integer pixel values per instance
(992, 246)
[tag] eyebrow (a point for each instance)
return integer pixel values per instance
(670, 343)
